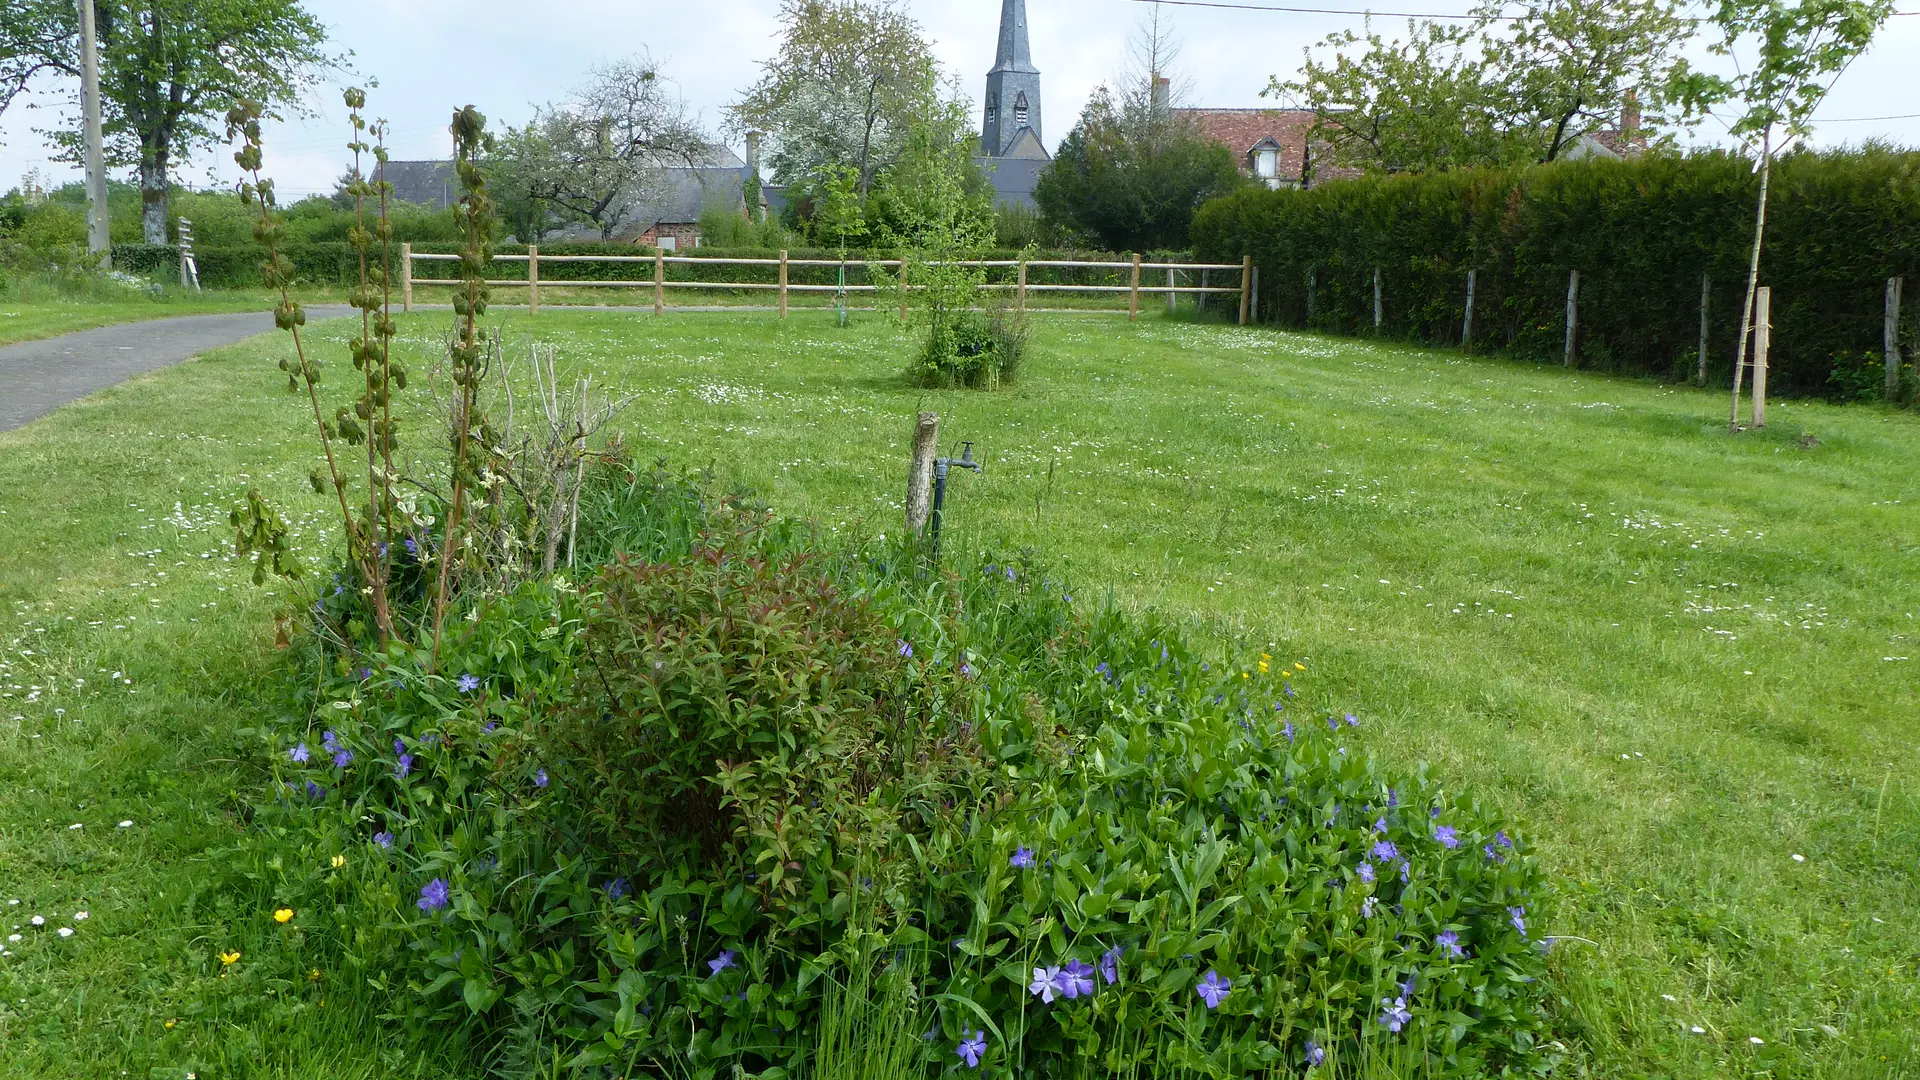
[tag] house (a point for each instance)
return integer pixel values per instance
(1271, 145)
(1012, 154)
(1624, 140)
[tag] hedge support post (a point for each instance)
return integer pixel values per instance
(783, 283)
(1020, 291)
(1171, 295)
(1133, 289)
(406, 277)
(1466, 324)
(533, 279)
(903, 289)
(1253, 302)
(1379, 308)
(926, 436)
(659, 282)
(1706, 294)
(1246, 286)
(1890, 334)
(1573, 315)
(1762, 337)
(1203, 301)
(1313, 278)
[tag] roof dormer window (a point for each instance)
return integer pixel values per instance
(1020, 109)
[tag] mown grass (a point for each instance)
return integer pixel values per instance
(1676, 659)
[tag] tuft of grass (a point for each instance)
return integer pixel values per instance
(1675, 658)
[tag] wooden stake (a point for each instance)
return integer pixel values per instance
(783, 283)
(1253, 304)
(926, 436)
(1466, 324)
(1706, 294)
(1890, 335)
(406, 277)
(1246, 286)
(1573, 315)
(903, 288)
(533, 279)
(1379, 308)
(659, 282)
(1021, 292)
(1171, 295)
(1762, 337)
(1313, 277)
(1133, 289)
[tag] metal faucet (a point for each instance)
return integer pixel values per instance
(940, 467)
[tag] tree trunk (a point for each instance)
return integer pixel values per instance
(1753, 276)
(153, 197)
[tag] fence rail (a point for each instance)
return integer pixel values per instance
(1135, 288)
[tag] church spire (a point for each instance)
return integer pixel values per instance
(1013, 54)
(1013, 87)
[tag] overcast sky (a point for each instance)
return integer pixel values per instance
(517, 54)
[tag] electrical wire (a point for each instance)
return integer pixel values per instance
(1335, 11)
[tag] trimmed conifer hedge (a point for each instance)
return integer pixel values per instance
(1642, 233)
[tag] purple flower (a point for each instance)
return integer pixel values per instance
(1287, 730)
(722, 962)
(1502, 839)
(412, 548)
(540, 779)
(1449, 837)
(1395, 1015)
(972, 1045)
(1110, 964)
(1450, 941)
(1385, 851)
(1333, 723)
(1434, 813)
(383, 839)
(1045, 981)
(1393, 798)
(1352, 720)
(1076, 979)
(434, 896)
(467, 683)
(299, 754)
(490, 725)
(905, 649)
(966, 672)
(1405, 869)
(1493, 855)
(328, 741)
(1364, 872)
(1316, 1055)
(1022, 858)
(1380, 825)
(1366, 908)
(399, 746)
(1406, 988)
(1213, 989)
(342, 758)
(315, 791)
(617, 889)
(404, 766)
(1518, 917)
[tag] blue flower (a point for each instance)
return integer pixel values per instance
(1022, 857)
(1352, 720)
(1493, 856)
(1395, 1014)
(1110, 964)
(1406, 988)
(328, 741)
(467, 683)
(1384, 851)
(412, 548)
(1075, 979)
(403, 766)
(617, 889)
(1518, 917)
(342, 758)
(1287, 730)
(383, 839)
(1450, 941)
(1365, 871)
(1501, 838)
(434, 896)
(1448, 836)
(399, 746)
(972, 1045)
(1333, 723)
(1380, 825)
(1045, 981)
(299, 754)
(905, 649)
(722, 962)
(315, 791)
(540, 779)
(1393, 798)
(1316, 1054)
(1213, 989)
(1366, 907)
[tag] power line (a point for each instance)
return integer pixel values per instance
(1336, 11)
(1868, 119)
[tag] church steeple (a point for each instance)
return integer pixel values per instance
(1013, 86)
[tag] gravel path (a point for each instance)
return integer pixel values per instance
(37, 377)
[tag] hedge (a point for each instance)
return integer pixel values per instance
(1641, 232)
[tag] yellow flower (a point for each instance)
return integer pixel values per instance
(1263, 667)
(1266, 656)
(229, 958)
(1244, 675)
(339, 861)
(1300, 667)
(314, 975)
(284, 915)
(170, 1024)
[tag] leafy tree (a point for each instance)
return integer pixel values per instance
(1787, 57)
(170, 70)
(850, 81)
(30, 34)
(1501, 89)
(603, 151)
(1130, 175)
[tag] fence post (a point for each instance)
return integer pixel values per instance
(926, 436)
(1379, 309)
(1466, 324)
(533, 279)
(1573, 314)
(406, 277)
(1171, 295)
(1246, 286)
(1313, 279)
(903, 287)
(783, 283)
(1706, 294)
(1890, 334)
(1133, 289)
(659, 282)
(1762, 337)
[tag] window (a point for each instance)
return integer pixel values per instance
(668, 243)
(993, 109)
(1020, 109)
(1266, 164)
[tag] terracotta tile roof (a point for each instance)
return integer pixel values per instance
(1242, 129)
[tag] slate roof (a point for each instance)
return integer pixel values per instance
(1013, 179)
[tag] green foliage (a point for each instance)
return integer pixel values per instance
(1129, 176)
(1641, 233)
(42, 236)
(725, 227)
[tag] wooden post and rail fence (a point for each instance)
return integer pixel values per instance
(784, 287)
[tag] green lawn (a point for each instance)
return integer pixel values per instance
(1676, 659)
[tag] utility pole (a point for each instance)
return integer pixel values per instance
(99, 237)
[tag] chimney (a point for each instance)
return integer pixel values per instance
(1162, 93)
(753, 152)
(1630, 119)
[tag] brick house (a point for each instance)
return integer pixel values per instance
(1270, 144)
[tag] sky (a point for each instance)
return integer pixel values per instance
(506, 56)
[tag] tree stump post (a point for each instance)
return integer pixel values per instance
(1706, 294)
(926, 438)
(783, 284)
(1246, 286)
(533, 279)
(1379, 304)
(1133, 290)
(1573, 315)
(1466, 324)
(1890, 335)
(1762, 337)
(659, 282)
(406, 277)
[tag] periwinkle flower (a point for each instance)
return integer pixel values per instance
(412, 547)
(315, 791)
(467, 683)
(1333, 723)
(1316, 1054)
(1110, 964)
(618, 889)
(299, 754)
(1364, 871)
(1366, 908)
(399, 746)
(1385, 852)
(1502, 839)
(540, 779)
(722, 962)
(383, 839)
(1518, 917)
(1380, 825)
(1287, 730)
(1045, 982)
(905, 649)
(1493, 856)
(1213, 989)
(1448, 836)
(328, 740)
(1395, 1014)
(1022, 858)
(1352, 720)
(1450, 943)
(972, 1045)
(434, 896)
(1393, 798)
(403, 766)
(342, 758)
(1076, 979)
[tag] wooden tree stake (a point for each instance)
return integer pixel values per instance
(1890, 334)
(1466, 324)
(926, 437)
(1573, 315)
(406, 277)
(1379, 307)
(1762, 337)
(533, 279)
(783, 283)
(1021, 290)
(1246, 286)
(1706, 294)
(1171, 295)
(903, 288)
(1133, 289)
(659, 282)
